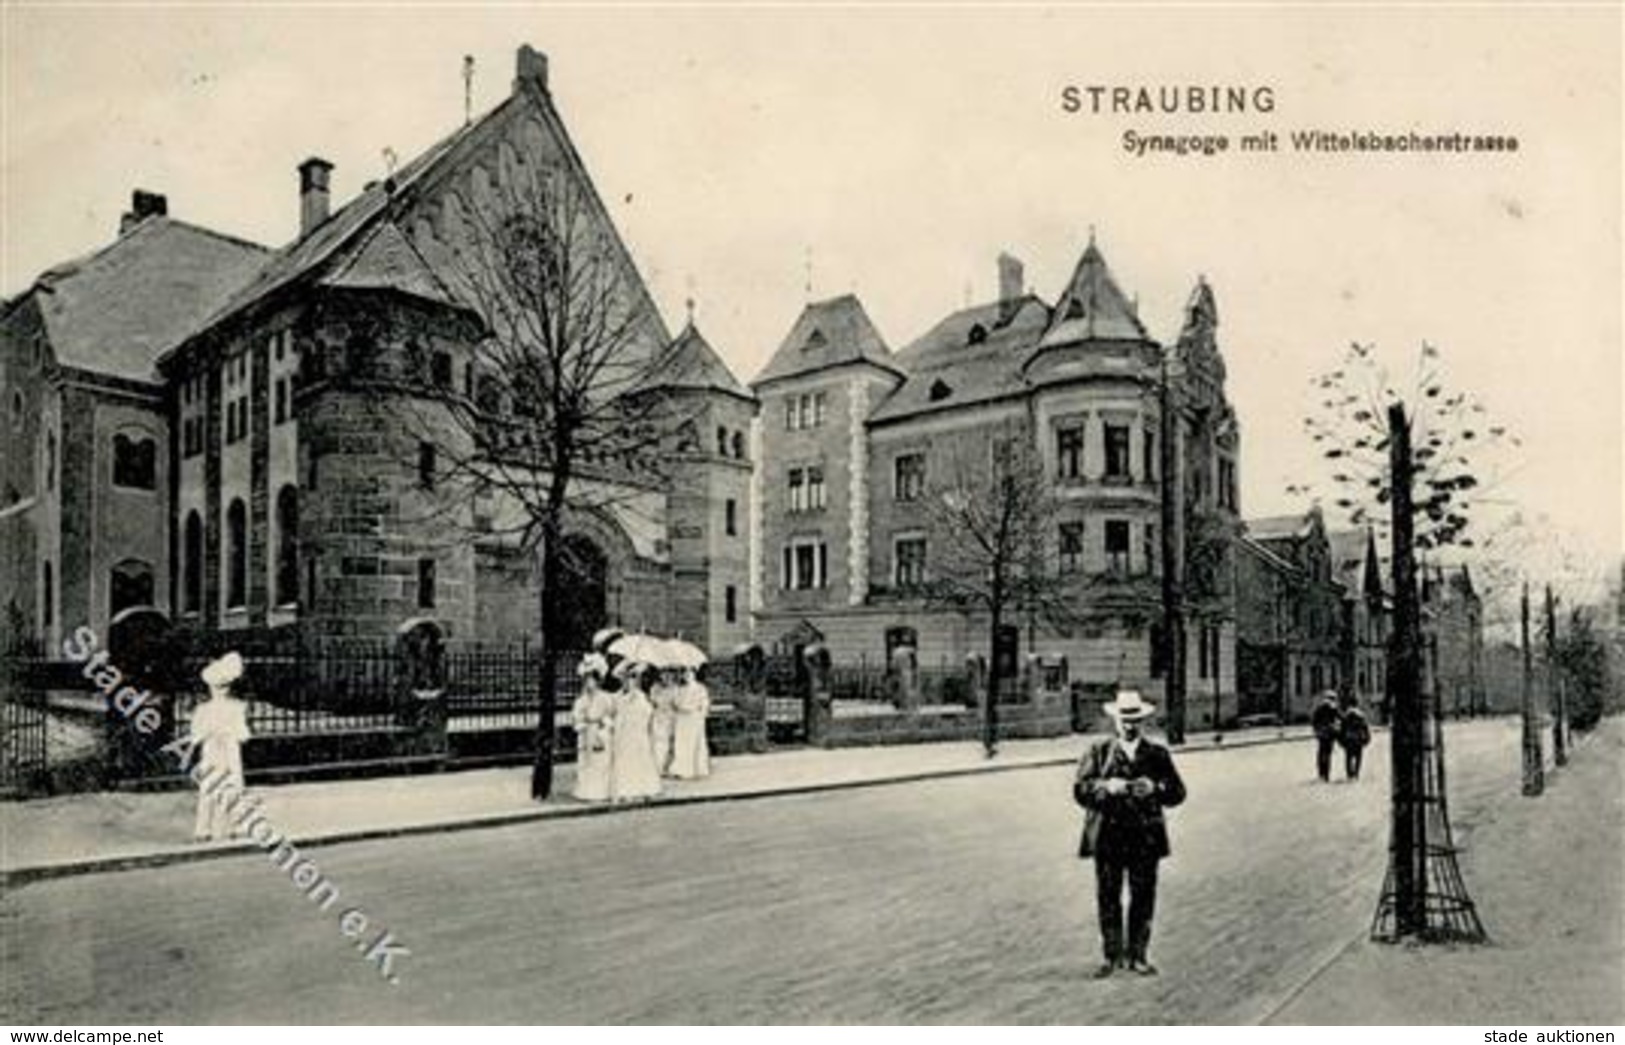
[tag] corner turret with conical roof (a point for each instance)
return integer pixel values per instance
(709, 492)
(1093, 307)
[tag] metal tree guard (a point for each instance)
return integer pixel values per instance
(1448, 913)
(1554, 686)
(1534, 757)
(1423, 896)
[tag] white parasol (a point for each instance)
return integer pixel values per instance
(684, 654)
(640, 649)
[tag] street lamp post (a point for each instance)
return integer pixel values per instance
(1173, 559)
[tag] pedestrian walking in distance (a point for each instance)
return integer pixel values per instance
(1354, 733)
(1124, 782)
(1327, 723)
(219, 727)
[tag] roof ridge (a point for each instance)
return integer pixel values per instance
(215, 233)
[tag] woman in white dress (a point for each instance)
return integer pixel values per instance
(632, 773)
(691, 758)
(663, 696)
(219, 727)
(594, 716)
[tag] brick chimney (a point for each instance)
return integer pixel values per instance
(313, 197)
(143, 205)
(530, 69)
(1011, 285)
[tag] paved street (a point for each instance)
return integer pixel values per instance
(956, 900)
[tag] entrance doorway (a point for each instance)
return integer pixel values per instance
(585, 574)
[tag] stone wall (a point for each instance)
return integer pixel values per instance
(367, 520)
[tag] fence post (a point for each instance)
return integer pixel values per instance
(421, 697)
(818, 708)
(140, 648)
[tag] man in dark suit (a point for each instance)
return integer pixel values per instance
(1124, 783)
(1328, 723)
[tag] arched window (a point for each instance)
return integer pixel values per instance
(48, 591)
(192, 564)
(131, 585)
(50, 460)
(135, 462)
(739, 445)
(236, 555)
(287, 545)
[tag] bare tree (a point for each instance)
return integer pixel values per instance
(1403, 460)
(993, 517)
(560, 412)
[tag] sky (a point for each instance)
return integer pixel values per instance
(748, 154)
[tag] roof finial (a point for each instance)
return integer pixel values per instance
(690, 304)
(808, 263)
(468, 89)
(1091, 235)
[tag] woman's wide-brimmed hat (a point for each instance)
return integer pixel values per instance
(223, 671)
(1129, 706)
(593, 664)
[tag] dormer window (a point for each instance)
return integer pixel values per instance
(1074, 310)
(978, 334)
(940, 390)
(815, 340)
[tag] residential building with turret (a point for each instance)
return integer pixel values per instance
(854, 435)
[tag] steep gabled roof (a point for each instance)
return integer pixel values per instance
(343, 226)
(351, 244)
(1093, 307)
(828, 333)
(691, 363)
(948, 368)
(1268, 556)
(118, 310)
(1279, 527)
(1356, 561)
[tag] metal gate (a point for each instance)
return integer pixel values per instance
(788, 688)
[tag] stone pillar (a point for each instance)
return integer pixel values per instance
(420, 700)
(905, 672)
(818, 709)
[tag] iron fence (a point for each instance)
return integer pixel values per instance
(24, 733)
(492, 686)
(298, 686)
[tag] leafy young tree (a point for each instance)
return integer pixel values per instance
(1403, 461)
(1452, 441)
(560, 413)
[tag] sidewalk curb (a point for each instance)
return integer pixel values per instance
(20, 876)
